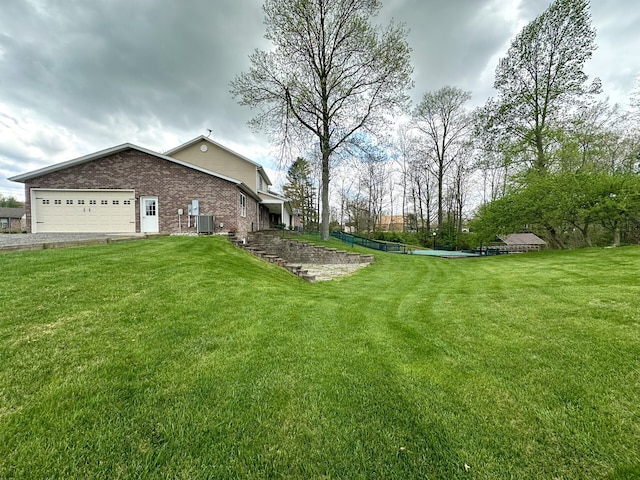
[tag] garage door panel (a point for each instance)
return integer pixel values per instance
(100, 211)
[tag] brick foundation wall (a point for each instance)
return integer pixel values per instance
(174, 185)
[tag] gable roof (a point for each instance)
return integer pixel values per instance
(120, 148)
(11, 212)
(104, 153)
(202, 138)
(523, 239)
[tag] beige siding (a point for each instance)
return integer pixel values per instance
(220, 161)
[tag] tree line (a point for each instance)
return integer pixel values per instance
(546, 155)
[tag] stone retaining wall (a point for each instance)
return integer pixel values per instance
(301, 252)
(292, 254)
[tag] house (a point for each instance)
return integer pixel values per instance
(392, 223)
(213, 156)
(12, 219)
(522, 242)
(129, 189)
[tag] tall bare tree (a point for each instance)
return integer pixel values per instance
(446, 126)
(331, 74)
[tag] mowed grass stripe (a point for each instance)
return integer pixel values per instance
(185, 357)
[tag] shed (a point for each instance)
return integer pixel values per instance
(523, 242)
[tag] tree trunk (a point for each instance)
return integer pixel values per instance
(541, 161)
(420, 207)
(586, 238)
(325, 191)
(556, 242)
(616, 236)
(440, 209)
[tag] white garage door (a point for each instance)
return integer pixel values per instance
(101, 211)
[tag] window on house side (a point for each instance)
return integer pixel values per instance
(243, 205)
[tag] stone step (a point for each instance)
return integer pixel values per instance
(271, 247)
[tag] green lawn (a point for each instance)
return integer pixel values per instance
(184, 357)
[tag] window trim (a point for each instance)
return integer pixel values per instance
(243, 205)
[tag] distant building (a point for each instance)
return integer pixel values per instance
(391, 223)
(12, 219)
(523, 242)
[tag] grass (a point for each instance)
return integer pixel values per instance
(184, 357)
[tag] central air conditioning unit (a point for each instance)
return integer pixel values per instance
(205, 224)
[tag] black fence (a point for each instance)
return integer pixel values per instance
(352, 240)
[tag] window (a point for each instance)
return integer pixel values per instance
(80, 202)
(45, 202)
(104, 202)
(4, 223)
(92, 202)
(69, 202)
(127, 202)
(243, 205)
(150, 208)
(57, 202)
(116, 202)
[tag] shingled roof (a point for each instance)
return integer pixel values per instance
(8, 212)
(523, 239)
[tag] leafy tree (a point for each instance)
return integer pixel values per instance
(445, 124)
(301, 191)
(618, 208)
(592, 139)
(10, 202)
(542, 76)
(635, 96)
(555, 204)
(331, 74)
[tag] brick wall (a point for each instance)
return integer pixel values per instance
(13, 225)
(174, 185)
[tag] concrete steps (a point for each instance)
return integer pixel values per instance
(260, 251)
(291, 254)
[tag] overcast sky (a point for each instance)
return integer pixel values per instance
(79, 76)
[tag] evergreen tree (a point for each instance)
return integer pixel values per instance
(300, 190)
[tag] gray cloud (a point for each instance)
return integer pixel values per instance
(78, 76)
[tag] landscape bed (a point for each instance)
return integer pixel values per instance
(184, 357)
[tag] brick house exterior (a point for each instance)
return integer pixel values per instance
(234, 206)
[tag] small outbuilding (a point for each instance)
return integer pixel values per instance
(523, 242)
